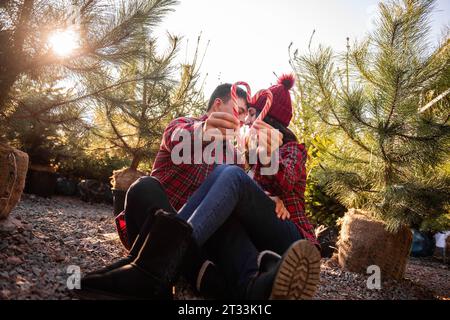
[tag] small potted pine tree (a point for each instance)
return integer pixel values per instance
(131, 119)
(385, 101)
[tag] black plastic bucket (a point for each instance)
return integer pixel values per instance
(118, 200)
(41, 183)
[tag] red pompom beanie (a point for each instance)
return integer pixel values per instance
(281, 109)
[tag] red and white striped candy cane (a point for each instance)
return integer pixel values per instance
(268, 94)
(234, 96)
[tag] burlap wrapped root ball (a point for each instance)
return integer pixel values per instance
(364, 242)
(13, 171)
(122, 179)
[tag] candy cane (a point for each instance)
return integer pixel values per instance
(269, 99)
(234, 96)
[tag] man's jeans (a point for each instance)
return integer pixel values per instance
(229, 190)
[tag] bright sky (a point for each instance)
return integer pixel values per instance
(250, 38)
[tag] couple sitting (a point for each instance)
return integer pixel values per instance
(231, 233)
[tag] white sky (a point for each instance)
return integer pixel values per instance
(250, 38)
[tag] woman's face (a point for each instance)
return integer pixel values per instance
(251, 116)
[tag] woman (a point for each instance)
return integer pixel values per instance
(289, 183)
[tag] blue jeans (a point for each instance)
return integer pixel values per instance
(228, 191)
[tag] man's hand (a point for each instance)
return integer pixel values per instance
(280, 209)
(270, 139)
(218, 123)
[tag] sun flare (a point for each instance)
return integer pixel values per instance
(64, 42)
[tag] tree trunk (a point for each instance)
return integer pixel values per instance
(135, 163)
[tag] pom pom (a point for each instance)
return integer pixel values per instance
(287, 80)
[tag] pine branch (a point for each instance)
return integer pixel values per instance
(22, 27)
(394, 101)
(434, 101)
(125, 145)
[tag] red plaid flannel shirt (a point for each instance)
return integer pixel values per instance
(289, 185)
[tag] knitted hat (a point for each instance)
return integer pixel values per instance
(281, 109)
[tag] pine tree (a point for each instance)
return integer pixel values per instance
(321, 208)
(109, 34)
(131, 119)
(34, 127)
(385, 102)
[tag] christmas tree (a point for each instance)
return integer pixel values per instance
(385, 102)
(130, 120)
(69, 40)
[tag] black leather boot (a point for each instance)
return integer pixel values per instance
(154, 271)
(203, 275)
(267, 260)
(192, 263)
(138, 242)
(294, 277)
(211, 282)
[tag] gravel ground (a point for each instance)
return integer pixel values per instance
(43, 237)
(424, 279)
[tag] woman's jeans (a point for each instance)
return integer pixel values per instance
(229, 190)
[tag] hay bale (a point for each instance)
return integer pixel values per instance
(122, 179)
(13, 171)
(364, 242)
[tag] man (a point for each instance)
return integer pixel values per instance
(181, 180)
(160, 241)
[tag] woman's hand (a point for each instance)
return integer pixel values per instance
(270, 139)
(280, 209)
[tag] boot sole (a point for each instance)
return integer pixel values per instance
(299, 273)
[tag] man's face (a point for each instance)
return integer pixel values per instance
(228, 107)
(251, 116)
